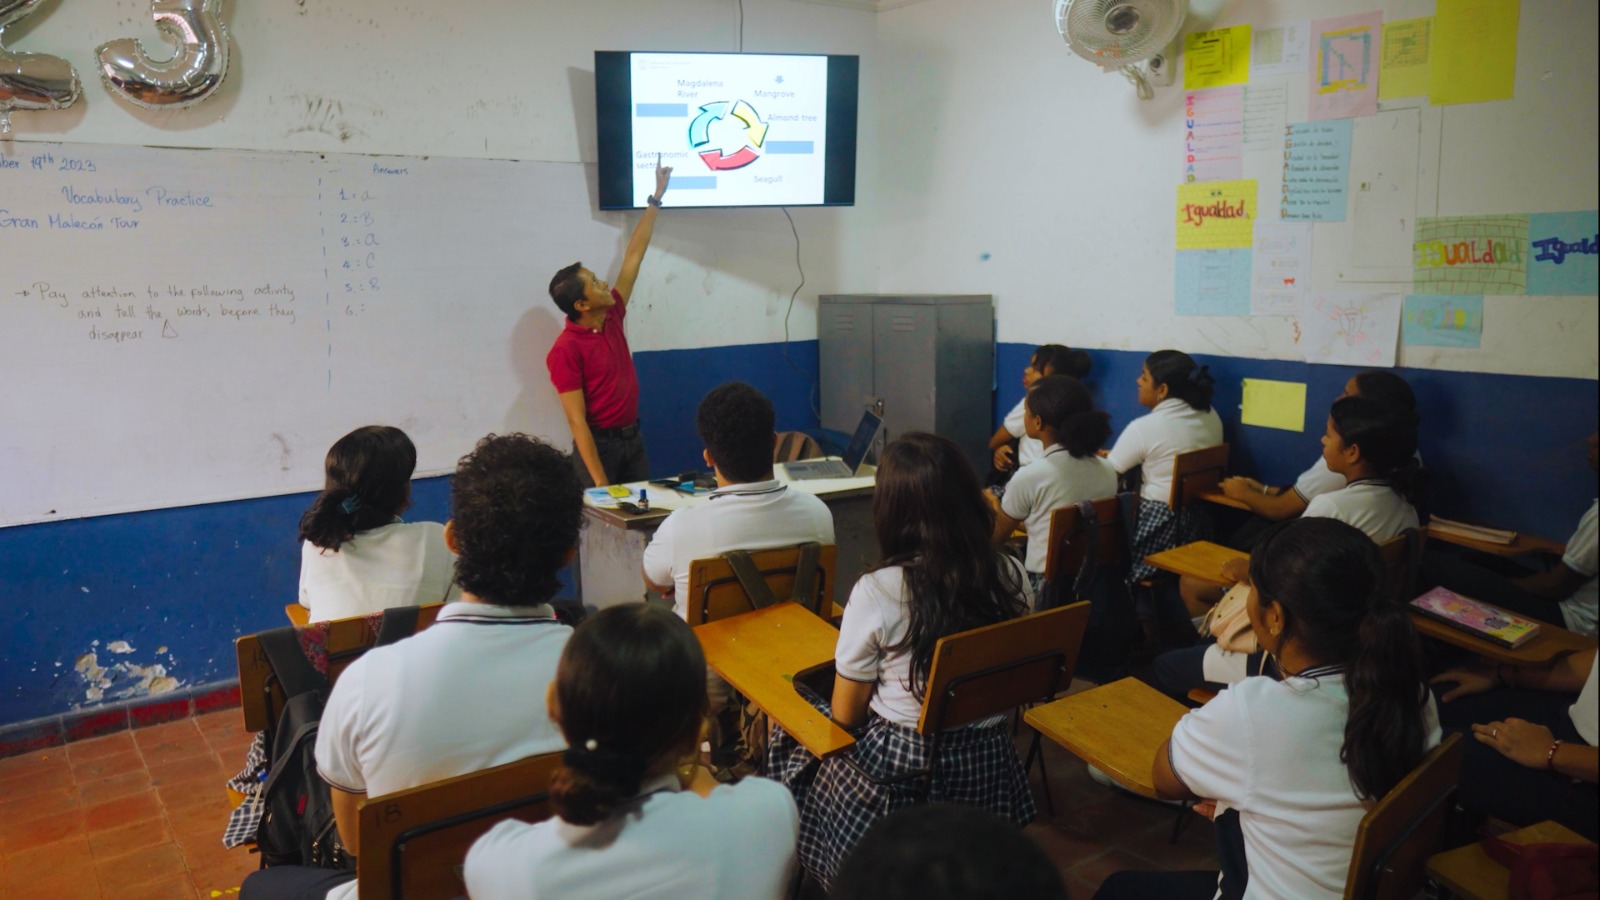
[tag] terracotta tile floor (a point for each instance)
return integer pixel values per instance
(139, 815)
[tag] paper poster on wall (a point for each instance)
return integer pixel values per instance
(1266, 115)
(1212, 142)
(1351, 329)
(1474, 56)
(1470, 255)
(1280, 51)
(1442, 320)
(1273, 404)
(1403, 69)
(1563, 248)
(1316, 171)
(1282, 268)
(1212, 283)
(1344, 77)
(1217, 214)
(1216, 58)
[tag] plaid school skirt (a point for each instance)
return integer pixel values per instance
(977, 766)
(1160, 528)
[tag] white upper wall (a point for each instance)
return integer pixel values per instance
(1013, 167)
(509, 79)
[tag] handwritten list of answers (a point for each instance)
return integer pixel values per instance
(1316, 171)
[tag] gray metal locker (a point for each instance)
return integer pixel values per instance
(924, 362)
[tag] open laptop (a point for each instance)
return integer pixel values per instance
(854, 455)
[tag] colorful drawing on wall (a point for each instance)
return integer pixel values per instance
(1474, 55)
(1216, 58)
(1351, 329)
(1212, 282)
(1563, 250)
(1217, 214)
(1404, 69)
(1273, 404)
(1471, 255)
(1316, 172)
(1442, 320)
(1213, 138)
(1282, 268)
(1280, 51)
(1344, 77)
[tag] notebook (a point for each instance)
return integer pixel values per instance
(854, 455)
(1476, 617)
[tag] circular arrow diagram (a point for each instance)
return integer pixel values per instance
(755, 132)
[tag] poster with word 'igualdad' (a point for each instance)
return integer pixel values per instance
(1216, 215)
(1470, 255)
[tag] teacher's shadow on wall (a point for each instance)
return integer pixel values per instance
(536, 410)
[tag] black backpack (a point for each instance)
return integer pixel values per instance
(297, 826)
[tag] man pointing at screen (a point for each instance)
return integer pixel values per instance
(591, 366)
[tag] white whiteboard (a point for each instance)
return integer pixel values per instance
(182, 326)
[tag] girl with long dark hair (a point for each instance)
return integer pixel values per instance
(938, 576)
(1296, 763)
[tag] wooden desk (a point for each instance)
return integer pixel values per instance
(1117, 728)
(1469, 872)
(1201, 559)
(1221, 499)
(761, 652)
(1523, 545)
(611, 546)
(1550, 644)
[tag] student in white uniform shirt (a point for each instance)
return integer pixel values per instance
(1566, 595)
(636, 816)
(1011, 444)
(749, 510)
(1177, 391)
(455, 698)
(356, 555)
(1294, 765)
(1061, 416)
(1534, 753)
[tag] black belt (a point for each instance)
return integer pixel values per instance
(615, 434)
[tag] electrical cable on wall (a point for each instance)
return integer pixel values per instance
(811, 395)
(741, 26)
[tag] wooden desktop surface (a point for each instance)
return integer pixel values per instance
(1469, 872)
(1201, 559)
(761, 652)
(1522, 545)
(1550, 644)
(1221, 499)
(1117, 728)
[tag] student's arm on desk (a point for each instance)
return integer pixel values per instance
(1284, 504)
(1005, 451)
(347, 817)
(850, 702)
(1004, 526)
(577, 410)
(1557, 584)
(1565, 675)
(1166, 781)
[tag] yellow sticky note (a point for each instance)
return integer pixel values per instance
(1474, 56)
(1403, 66)
(1216, 215)
(1274, 404)
(1216, 58)
(618, 491)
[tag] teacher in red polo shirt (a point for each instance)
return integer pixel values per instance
(591, 366)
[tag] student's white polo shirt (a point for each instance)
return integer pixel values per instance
(1586, 712)
(759, 515)
(1579, 609)
(1369, 504)
(1045, 485)
(1270, 750)
(466, 693)
(1156, 438)
(1317, 480)
(1028, 449)
(739, 842)
(403, 564)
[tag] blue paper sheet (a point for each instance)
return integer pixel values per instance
(1213, 282)
(1562, 254)
(1442, 320)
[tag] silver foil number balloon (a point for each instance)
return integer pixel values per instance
(193, 73)
(31, 80)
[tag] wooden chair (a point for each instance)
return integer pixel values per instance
(1408, 825)
(1196, 473)
(298, 615)
(1402, 556)
(412, 843)
(793, 446)
(715, 592)
(261, 696)
(994, 670)
(1068, 541)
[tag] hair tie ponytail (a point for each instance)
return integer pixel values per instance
(351, 505)
(1201, 375)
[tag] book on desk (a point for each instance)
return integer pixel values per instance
(1482, 533)
(1476, 617)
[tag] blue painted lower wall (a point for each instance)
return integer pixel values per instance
(179, 584)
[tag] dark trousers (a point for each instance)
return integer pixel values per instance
(1177, 672)
(1496, 786)
(1229, 884)
(292, 883)
(1451, 571)
(623, 460)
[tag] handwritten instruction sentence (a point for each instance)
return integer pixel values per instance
(116, 315)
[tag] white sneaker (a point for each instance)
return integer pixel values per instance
(1101, 778)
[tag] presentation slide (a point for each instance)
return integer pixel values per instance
(737, 130)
